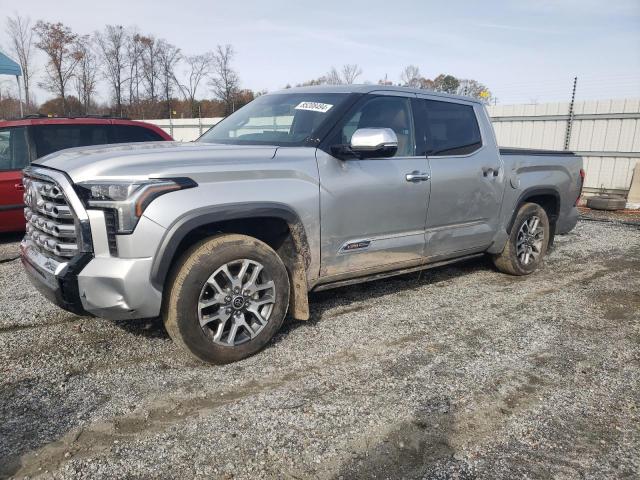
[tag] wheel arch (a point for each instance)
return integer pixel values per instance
(547, 197)
(275, 223)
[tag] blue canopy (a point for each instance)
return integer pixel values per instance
(8, 66)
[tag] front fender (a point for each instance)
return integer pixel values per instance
(199, 217)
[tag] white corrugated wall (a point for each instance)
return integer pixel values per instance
(185, 129)
(605, 132)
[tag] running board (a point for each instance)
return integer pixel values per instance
(392, 273)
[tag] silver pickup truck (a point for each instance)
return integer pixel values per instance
(301, 190)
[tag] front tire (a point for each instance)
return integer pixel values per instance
(227, 297)
(528, 242)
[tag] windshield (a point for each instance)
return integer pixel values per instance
(14, 151)
(283, 119)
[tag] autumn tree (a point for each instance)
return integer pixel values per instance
(56, 108)
(446, 83)
(112, 46)
(225, 80)
(21, 38)
(59, 44)
(9, 102)
(198, 68)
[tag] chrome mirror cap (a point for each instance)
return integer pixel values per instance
(377, 142)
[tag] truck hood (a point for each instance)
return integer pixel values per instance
(134, 161)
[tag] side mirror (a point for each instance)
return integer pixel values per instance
(374, 142)
(368, 143)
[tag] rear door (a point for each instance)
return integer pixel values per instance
(372, 217)
(14, 156)
(467, 178)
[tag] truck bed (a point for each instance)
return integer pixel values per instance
(533, 151)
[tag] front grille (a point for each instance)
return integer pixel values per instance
(51, 224)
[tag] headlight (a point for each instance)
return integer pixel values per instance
(128, 199)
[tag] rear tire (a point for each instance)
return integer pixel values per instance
(227, 297)
(528, 242)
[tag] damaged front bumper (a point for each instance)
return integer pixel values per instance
(107, 287)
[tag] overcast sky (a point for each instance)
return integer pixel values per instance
(523, 50)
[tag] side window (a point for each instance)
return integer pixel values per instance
(383, 112)
(51, 138)
(14, 151)
(132, 133)
(446, 128)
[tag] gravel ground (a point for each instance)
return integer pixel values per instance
(459, 372)
(627, 217)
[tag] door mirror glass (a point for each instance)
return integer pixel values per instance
(374, 142)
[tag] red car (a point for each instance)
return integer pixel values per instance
(22, 141)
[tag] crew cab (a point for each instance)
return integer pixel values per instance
(301, 190)
(23, 141)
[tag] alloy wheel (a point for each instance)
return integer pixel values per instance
(236, 302)
(529, 241)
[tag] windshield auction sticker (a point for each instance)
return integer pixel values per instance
(314, 106)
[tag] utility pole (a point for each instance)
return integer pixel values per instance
(567, 136)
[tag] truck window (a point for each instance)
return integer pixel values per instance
(133, 133)
(446, 128)
(14, 151)
(51, 138)
(286, 119)
(383, 112)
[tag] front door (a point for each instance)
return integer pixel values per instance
(372, 216)
(467, 178)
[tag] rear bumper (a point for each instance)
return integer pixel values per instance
(567, 222)
(112, 288)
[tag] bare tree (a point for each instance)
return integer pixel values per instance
(198, 67)
(134, 62)
(168, 56)
(410, 76)
(150, 65)
(350, 72)
(21, 36)
(225, 81)
(112, 47)
(86, 76)
(58, 42)
(333, 77)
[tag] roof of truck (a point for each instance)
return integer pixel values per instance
(372, 88)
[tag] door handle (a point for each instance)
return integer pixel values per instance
(487, 170)
(19, 186)
(417, 176)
